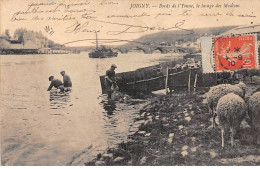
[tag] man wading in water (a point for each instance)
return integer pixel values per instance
(110, 80)
(55, 83)
(66, 79)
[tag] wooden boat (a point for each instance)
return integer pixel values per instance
(102, 52)
(157, 77)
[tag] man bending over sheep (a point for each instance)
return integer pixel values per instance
(55, 83)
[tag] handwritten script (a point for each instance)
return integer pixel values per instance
(87, 16)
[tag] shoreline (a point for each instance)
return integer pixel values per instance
(112, 108)
(175, 130)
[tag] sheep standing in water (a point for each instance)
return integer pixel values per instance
(231, 110)
(216, 92)
(254, 113)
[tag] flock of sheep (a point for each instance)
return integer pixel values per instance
(228, 103)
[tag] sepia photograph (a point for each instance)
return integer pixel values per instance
(129, 83)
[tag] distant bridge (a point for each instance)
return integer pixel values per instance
(150, 49)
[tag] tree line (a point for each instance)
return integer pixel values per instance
(23, 35)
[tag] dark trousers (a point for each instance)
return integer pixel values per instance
(109, 91)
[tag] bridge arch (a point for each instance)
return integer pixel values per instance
(145, 50)
(158, 49)
(180, 50)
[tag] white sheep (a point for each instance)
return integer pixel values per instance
(243, 87)
(216, 92)
(254, 113)
(231, 110)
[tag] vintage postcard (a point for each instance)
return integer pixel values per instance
(130, 82)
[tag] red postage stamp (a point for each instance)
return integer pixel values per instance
(235, 52)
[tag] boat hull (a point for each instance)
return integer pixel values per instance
(152, 78)
(102, 55)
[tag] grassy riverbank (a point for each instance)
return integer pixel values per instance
(175, 130)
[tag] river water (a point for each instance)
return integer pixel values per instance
(48, 128)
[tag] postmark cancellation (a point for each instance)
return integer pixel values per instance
(228, 53)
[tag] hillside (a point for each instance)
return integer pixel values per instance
(22, 35)
(178, 35)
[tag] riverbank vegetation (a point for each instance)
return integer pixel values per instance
(176, 130)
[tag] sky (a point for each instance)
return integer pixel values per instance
(117, 22)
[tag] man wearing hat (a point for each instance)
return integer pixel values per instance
(66, 79)
(55, 83)
(110, 79)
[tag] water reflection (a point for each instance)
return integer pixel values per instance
(109, 107)
(59, 100)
